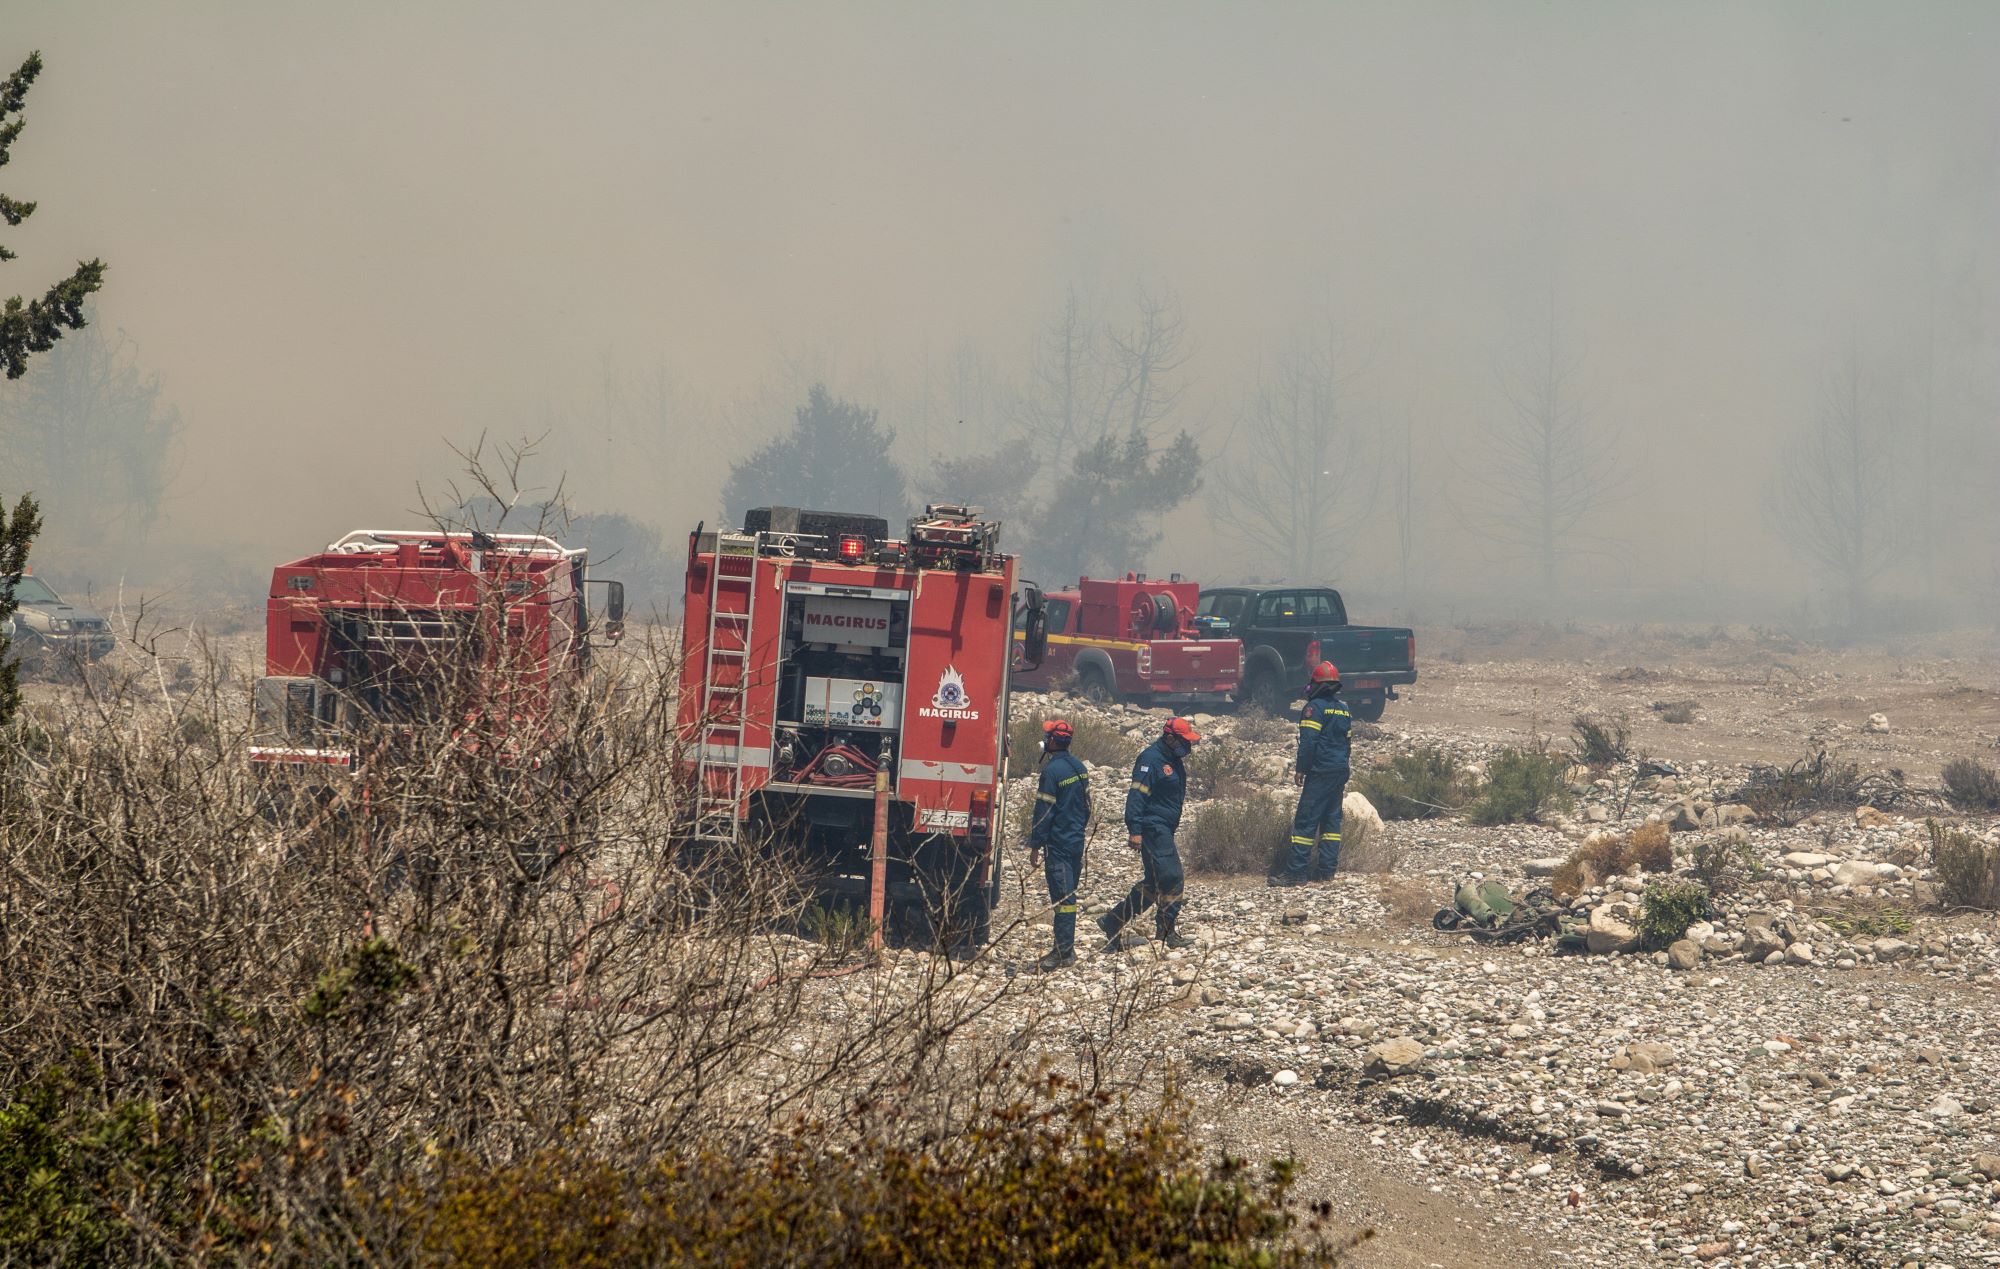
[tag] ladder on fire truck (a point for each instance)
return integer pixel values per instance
(725, 679)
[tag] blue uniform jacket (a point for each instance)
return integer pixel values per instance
(1062, 804)
(1159, 786)
(1323, 727)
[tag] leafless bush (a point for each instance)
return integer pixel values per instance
(1968, 869)
(1600, 742)
(480, 947)
(1971, 785)
(1816, 782)
(1219, 769)
(1680, 713)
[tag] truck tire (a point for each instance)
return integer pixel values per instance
(1368, 706)
(1093, 686)
(1264, 690)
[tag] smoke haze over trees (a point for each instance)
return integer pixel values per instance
(1018, 234)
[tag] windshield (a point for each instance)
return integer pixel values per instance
(33, 590)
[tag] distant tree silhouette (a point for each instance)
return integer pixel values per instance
(835, 458)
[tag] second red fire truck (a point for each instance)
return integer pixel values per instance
(1136, 639)
(844, 696)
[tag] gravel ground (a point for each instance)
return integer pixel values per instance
(1834, 1107)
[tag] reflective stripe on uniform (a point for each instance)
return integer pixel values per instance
(1329, 837)
(1050, 798)
(1301, 841)
(1072, 780)
(1340, 713)
(1307, 722)
(1146, 789)
(1065, 907)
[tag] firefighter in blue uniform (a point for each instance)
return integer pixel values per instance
(1152, 814)
(1320, 771)
(1062, 813)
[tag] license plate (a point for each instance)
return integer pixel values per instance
(1364, 682)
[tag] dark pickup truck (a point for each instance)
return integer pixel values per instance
(1287, 629)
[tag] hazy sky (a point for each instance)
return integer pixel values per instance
(346, 233)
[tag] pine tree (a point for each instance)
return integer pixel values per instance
(32, 326)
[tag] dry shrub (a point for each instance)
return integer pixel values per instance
(288, 1002)
(1260, 728)
(1097, 742)
(1241, 837)
(1679, 713)
(1785, 795)
(1648, 848)
(1971, 785)
(1219, 769)
(1723, 866)
(1410, 902)
(1600, 742)
(1968, 868)
(1422, 784)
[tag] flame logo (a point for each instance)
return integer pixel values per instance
(950, 690)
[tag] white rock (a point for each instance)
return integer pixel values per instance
(1285, 1079)
(1799, 954)
(1877, 725)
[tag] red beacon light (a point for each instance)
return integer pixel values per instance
(852, 548)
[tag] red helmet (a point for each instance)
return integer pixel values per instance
(1326, 672)
(1057, 729)
(1182, 729)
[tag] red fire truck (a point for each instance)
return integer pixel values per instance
(1135, 639)
(388, 631)
(844, 696)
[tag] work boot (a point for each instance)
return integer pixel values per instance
(1175, 939)
(1111, 933)
(1285, 879)
(1059, 958)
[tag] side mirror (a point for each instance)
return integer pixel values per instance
(614, 608)
(1035, 629)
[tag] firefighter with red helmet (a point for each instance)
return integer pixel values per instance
(1152, 816)
(1320, 771)
(1062, 814)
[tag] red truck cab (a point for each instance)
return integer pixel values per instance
(1134, 639)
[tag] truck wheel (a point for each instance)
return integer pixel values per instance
(1091, 685)
(1368, 706)
(1263, 691)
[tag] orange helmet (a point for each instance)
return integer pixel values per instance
(1182, 729)
(1057, 729)
(1326, 672)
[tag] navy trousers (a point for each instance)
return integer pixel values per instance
(1060, 866)
(1317, 823)
(1159, 886)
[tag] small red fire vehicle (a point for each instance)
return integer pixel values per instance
(1136, 639)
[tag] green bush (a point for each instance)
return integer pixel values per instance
(1600, 742)
(1420, 785)
(1971, 785)
(1239, 837)
(1522, 786)
(1668, 908)
(1968, 869)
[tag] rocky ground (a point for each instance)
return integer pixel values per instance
(1806, 1082)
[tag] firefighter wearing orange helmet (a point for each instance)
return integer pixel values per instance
(1320, 771)
(1152, 816)
(1062, 819)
